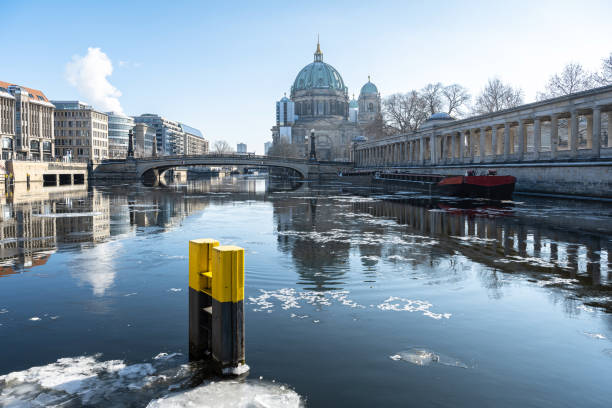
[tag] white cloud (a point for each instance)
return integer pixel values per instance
(89, 75)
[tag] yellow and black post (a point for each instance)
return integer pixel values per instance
(228, 306)
(216, 304)
(200, 297)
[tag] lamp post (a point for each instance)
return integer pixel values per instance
(313, 153)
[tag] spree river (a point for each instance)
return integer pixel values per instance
(353, 298)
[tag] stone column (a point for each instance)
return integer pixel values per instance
(432, 147)
(589, 131)
(537, 137)
(521, 141)
(421, 149)
(453, 147)
(494, 141)
(483, 135)
(506, 140)
(609, 128)
(471, 144)
(461, 146)
(596, 132)
(573, 134)
(554, 135)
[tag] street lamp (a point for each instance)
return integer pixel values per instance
(313, 153)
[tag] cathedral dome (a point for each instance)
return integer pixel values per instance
(318, 75)
(353, 103)
(369, 88)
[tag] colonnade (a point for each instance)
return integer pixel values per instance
(567, 133)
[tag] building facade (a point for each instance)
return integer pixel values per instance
(241, 148)
(267, 147)
(119, 126)
(144, 139)
(169, 136)
(81, 132)
(29, 134)
(7, 122)
(194, 140)
(319, 102)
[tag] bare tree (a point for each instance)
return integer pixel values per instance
(605, 76)
(574, 78)
(432, 96)
(283, 149)
(497, 96)
(456, 97)
(404, 112)
(221, 146)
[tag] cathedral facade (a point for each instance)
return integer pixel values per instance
(319, 102)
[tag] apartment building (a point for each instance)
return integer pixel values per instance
(26, 123)
(81, 132)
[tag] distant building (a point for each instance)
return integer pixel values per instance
(119, 126)
(267, 147)
(26, 123)
(81, 132)
(144, 137)
(194, 140)
(241, 148)
(169, 136)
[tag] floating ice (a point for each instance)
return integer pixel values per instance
(166, 356)
(398, 304)
(232, 394)
(34, 319)
(586, 308)
(425, 357)
(290, 298)
(175, 289)
(77, 381)
(130, 294)
(239, 370)
(597, 336)
(2, 311)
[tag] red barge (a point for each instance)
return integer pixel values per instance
(489, 186)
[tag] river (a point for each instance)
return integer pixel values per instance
(353, 297)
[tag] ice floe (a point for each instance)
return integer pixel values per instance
(398, 304)
(175, 289)
(232, 394)
(425, 357)
(596, 336)
(35, 318)
(289, 298)
(84, 380)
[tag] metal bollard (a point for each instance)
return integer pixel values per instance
(200, 297)
(216, 304)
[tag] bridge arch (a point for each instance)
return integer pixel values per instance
(149, 169)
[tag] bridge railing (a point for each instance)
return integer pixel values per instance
(233, 157)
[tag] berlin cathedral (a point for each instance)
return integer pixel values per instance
(319, 101)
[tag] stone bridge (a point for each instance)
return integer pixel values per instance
(149, 169)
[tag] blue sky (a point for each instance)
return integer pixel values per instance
(220, 66)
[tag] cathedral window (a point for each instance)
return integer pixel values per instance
(371, 107)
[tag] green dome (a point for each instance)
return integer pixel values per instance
(318, 75)
(353, 104)
(369, 88)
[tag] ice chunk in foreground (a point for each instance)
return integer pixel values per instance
(425, 357)
(232, 394)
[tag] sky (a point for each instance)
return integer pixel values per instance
(221, 66)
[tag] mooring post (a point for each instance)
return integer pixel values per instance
(200, 297)
(228, 308)
(216, 304)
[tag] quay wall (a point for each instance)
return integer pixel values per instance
(590, 179)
